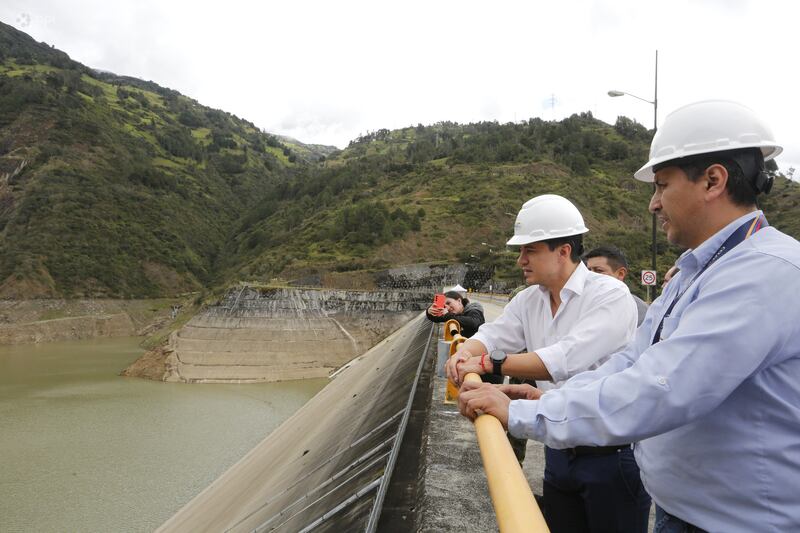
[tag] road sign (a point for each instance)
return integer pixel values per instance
(648, 277)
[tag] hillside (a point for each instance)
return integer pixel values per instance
(113, 186)
(438, 193)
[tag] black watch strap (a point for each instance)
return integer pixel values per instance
(497, 367)
(498, 357)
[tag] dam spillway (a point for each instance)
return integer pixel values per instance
(275, 334)
(329, 466)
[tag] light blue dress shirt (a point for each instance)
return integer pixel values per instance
(714, 408)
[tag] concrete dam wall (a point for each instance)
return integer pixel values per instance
(255, 334)
(329, 466)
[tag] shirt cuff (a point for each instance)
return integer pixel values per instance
(522, 418)
(555, 361)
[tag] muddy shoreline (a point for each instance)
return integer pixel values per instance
(53, 320)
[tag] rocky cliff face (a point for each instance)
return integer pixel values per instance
(256, 335)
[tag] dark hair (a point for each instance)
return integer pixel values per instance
(456, 296)
(575, 242)
(616, 257)
(744, 168)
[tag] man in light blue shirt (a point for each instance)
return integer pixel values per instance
(709, 389)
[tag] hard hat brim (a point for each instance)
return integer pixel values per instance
(646, 172)
(519, 240)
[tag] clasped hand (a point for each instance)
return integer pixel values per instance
(460, 364)
(484, 398)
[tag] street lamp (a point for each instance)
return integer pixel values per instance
(654, 103)
(491, 265)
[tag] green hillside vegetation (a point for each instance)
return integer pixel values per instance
(437, 193)
(113, 186)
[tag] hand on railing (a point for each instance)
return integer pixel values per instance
(476, 398)
(515, 507)
(451, 367)
(468, 365)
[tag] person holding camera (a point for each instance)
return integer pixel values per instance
(468, 314)
(459, 308)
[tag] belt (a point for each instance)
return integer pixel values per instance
(595, 450)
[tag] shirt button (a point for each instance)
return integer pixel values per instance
(662, 381)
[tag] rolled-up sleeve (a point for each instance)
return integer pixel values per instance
(601, 332)
(506, 332)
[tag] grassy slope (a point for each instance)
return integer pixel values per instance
(469, 196)
(112, 186)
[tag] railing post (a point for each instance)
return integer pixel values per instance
(452, 333)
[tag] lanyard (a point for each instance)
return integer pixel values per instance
(737, 237)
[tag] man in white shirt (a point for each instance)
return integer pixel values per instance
(572, 320)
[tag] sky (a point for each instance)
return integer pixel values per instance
(325, 72)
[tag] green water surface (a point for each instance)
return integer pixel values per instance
(82, 449)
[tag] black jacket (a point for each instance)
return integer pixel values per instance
(470, 320)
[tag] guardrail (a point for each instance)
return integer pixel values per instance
(515, 507)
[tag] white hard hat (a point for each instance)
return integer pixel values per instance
(546, 217)
(705, 127)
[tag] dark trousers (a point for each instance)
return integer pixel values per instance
(594, 493)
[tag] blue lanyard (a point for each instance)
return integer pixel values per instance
(737, 237)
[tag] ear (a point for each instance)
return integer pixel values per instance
(620, 273)
(716, 181)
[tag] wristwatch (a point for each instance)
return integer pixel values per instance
(498, 357)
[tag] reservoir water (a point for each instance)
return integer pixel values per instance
(82, 449)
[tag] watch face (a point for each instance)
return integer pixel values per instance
(498, 355)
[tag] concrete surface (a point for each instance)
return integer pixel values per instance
(320, 468)
(258, 335)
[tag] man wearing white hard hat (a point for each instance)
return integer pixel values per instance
(709, 389)
(568, 320)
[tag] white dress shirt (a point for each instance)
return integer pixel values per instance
(596, 318)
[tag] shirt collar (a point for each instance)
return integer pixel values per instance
(693, 260)
(574, 284)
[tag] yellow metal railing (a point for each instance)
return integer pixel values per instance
(452, 334)
(515, 507)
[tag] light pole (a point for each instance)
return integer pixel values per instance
(654, 102)
(491, 265)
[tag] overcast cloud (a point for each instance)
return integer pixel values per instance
(326, 71)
